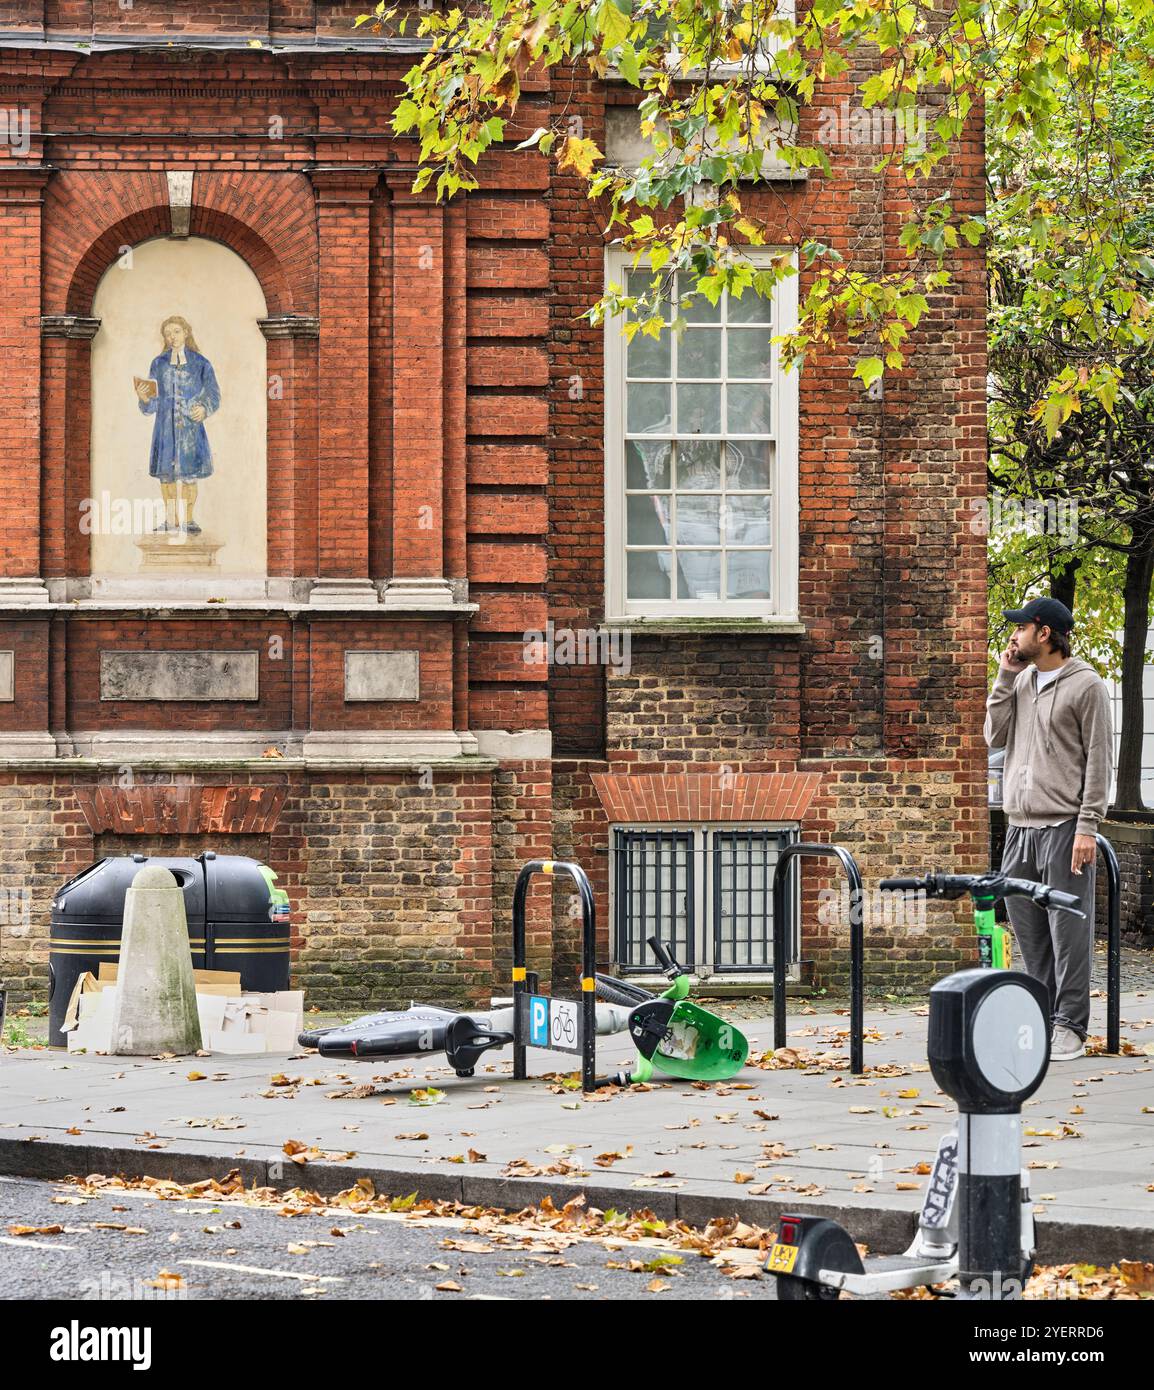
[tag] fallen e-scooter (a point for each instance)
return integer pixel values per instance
(1002, 1060)
(422, 1029)
(672, 1034)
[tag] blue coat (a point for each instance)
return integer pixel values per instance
(180, 449)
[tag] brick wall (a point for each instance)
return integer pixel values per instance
(455, 380)
(389, 879)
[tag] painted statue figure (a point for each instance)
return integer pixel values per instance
(181, 393)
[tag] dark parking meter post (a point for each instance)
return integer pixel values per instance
(989, 1047)
(588, 1006)
(1113, 944)
(781, 917)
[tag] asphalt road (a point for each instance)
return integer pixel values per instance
(376, 1257)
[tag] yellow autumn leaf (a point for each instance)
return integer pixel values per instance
(579, 155)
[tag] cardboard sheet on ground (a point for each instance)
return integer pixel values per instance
(231, 1022)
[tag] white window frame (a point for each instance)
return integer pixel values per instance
(764, 63)
(701, 848)
(783, 606)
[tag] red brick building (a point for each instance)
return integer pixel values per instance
(759, 599)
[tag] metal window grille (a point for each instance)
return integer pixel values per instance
(743, 862)
(707, 893)
(654, 895)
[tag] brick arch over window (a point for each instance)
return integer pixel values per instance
(660, 798)
(267, 219)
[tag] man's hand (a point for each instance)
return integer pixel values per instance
(1085, 848)
(197, 413)
(1009, 661)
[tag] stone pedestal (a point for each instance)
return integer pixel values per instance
(172, 552)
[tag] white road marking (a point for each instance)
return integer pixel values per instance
(33, 1244)
(272, 1273)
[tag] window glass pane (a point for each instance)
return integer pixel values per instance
(639, 283)
(648, 520)
(748, 464)
(648, 356)
(750, 308)
(698, 520)
(647, 464)
(698, 309)
(749, 353)
(698, 409)
(648, 574)
(748, 409)
(699, 353)
(748, 574)
(699, 574)
(747, 520)
(648, 409)
(699, 465)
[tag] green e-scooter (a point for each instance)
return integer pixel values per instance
(994, 941)
(673, 1035)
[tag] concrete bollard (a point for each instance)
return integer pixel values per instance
(155, 1008)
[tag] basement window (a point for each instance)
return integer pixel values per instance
(705, 891)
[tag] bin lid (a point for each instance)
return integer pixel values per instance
(239, 889)
(96, 895)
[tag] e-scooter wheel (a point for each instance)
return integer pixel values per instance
(791, 1290)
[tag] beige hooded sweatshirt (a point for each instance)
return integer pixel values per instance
(1059, 745)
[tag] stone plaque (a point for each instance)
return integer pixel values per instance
(7, 675)
(179, 675)
(382, 675)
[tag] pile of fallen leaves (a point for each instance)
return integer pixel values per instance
(639, 1241)
(1126, 1281)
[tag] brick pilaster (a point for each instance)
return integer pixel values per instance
(420, 242)
(21, 200)
(343, 206)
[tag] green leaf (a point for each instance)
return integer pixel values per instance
(869, 369)
(614, 24)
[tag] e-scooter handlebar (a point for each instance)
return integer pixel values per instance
(664, 959)
(1043, 895)
(990, 885)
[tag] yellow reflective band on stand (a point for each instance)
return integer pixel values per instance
(547, 866)
(587, 985)
(518, 974)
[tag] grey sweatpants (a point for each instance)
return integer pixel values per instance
(1054, 947)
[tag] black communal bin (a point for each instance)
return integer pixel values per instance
(237, 920)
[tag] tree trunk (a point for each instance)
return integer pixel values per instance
(1063, 580)
(1136, 593)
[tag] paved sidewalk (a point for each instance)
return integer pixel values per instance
(771, 1140)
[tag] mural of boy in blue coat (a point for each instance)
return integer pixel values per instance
(181, 392)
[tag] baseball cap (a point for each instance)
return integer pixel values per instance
(1046, 612)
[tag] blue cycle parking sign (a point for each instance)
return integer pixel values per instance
(551, 1023)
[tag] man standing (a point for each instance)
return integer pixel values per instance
(1051, 713)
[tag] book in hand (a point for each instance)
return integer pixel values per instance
(150, 387)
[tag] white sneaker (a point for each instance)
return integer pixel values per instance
(1065, 1045)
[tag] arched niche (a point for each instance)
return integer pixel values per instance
(178, 504)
